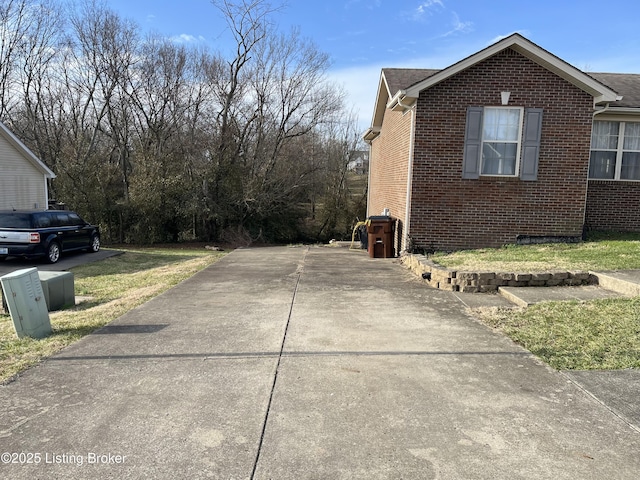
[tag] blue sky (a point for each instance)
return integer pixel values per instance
(363, 36)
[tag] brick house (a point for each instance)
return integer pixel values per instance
(511, 144)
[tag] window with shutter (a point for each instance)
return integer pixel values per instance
(502, 141)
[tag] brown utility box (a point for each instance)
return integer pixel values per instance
(380, 232)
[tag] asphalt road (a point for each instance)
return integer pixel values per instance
(67, 261)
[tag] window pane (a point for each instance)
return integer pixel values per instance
(632, 136)
(630, 166)
(499, 158)
(605, 135)
(602, 165)
(501, 124)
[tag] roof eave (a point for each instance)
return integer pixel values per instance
(371, 134)
(28, 154)
(401, 101)
(613, 110)
(382, 98)
(600, 92)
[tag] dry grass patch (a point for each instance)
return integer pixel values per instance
(114, 286)
(594, 335)
(601, 251)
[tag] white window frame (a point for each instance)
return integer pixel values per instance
(620, 150)
(518, 142)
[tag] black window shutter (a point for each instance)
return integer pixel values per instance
(531, 144)
(472, 143)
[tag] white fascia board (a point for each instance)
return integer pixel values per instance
(571, 74)
(532, 51)
(381, 101)
(371, 134)
(22, 148)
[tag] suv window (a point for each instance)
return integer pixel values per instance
(42, 220)
(61, 220)
(75, 219)
(15, 220)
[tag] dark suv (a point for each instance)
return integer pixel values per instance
(45, 234)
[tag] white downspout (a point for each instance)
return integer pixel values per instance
(46, 194)
(586, 197)
(598, 112)
(368, 214)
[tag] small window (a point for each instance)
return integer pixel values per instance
(501, 133)
(15, 220)
(75, 219)
(43, 220)
(630, 168)
(61, 220)
(615, 151)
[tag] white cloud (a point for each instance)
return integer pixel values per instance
(186, 38)
(425, 8)
(458, 26)
(361, 82)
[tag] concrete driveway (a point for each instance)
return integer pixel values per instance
(305, 363)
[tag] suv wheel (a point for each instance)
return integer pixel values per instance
(53, 252)
(95, 244)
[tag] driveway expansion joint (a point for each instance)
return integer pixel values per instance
(298, 274)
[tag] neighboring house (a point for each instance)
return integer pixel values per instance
(358, 162)
(496, 149)
(23, 177)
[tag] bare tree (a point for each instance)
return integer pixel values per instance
(14, 23)
(169, 97)
(161, 142)
(30, 33)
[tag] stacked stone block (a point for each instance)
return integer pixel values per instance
(482, 282)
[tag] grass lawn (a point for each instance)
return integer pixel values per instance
(600, 334)
(601, 251)
(594, 335)
(115, 286)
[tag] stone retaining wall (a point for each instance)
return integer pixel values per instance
(481, 282)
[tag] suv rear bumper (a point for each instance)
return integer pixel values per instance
(21, 250)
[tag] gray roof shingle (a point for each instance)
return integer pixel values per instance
(402, 78)
(626, 84)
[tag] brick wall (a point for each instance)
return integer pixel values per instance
(451, 213)
(613, 205)
(388, 166)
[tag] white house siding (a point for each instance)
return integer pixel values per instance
(22, 185)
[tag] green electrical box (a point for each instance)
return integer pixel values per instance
(58, 289)
(26, 303)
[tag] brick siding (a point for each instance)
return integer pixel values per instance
(613, 205)
(449, 212)
(388, 167)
